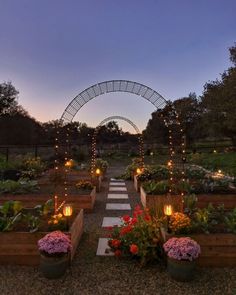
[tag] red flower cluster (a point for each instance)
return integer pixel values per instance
(133, 249)
(116, 243)
(135, 235)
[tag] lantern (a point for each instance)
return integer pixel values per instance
(98, 171)
(168, 210)
(138, 171)
(67, 210)
(68, 164)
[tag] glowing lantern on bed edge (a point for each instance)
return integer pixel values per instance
(98, 171)
(168, 210)
(138, 171)
(67, 210)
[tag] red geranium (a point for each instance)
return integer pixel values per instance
(125, 230)
(126, 218)
(133, 249)
(115, 243)
(133, 221)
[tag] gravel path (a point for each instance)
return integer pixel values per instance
(90, 274)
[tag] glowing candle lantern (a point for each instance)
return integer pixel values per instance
(67, 210)
(168, 210)
(98, 171)
(68, 164)
(138, 171)
(219, 171)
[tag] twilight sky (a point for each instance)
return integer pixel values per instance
(53, 49)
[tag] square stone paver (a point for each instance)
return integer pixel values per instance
(103, 248)
(117, 180)
(111, 221)
(117, 183)
(117, 189)
(117, 206)
(117, 196)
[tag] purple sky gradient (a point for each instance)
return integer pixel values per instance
(52, 49)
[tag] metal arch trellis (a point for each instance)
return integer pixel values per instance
(94, 139)
(112, 86)
(124, 86)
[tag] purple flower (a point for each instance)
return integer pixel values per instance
(55, 243)
(182, 248)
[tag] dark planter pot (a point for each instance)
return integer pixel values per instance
(181, 270)
(53, 267)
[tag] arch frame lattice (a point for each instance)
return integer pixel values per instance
(108, 87)
(94, 139)
(132, 87)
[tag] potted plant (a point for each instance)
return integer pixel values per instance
(54, 250)
(181, 258)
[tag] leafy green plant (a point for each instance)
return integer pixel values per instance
(230, 221)
(190, 202)
(156, 188)
(18, 187)
(154, 173)
(10, 214)
(101, 164)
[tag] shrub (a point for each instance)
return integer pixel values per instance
(84, 185)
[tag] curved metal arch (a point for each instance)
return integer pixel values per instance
(94, 139)
(112, 86)
(108, 119)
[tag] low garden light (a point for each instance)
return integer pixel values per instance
(168, 210)
(138, 171)
(67, 212)
(69, 163)
(98, 171)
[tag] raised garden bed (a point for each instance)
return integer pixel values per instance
(217, 250)
(157, 202)
(136, 183)
(78, 201)
(229, 200)
(21, 247)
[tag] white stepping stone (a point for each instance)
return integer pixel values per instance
(117, 189)
(111, 221)
(117, 180)
(117, 206)
(117, 183)
(117, 196)
(103, 248)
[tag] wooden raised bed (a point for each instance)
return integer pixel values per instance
(157, 202)
(217, 250)
(85, 201)
(136, 183)
(21, 247)
(229, 200)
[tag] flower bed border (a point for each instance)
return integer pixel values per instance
(21, 248)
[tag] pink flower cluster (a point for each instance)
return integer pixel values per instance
(55, 243)
(182, 248)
